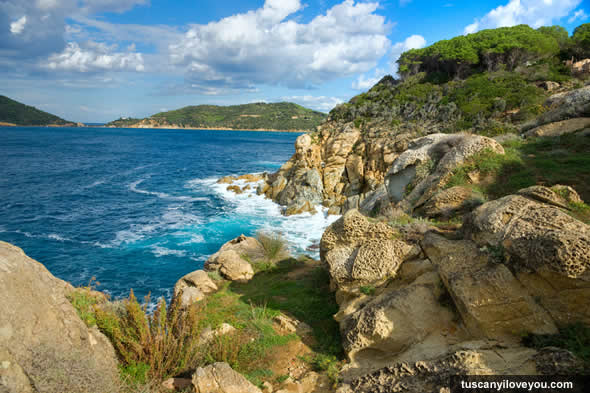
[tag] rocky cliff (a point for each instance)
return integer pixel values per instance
(44, 345)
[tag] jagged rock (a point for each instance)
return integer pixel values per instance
(558, 195)
(358, 251)
(220, 378)
(535, 235)
(428, 164)
(563, 106)
(451, 202)
(491, 301)
(232, 266)
(197, 284)
(559, 127)
(235, 189)
(393, 321)
(44, 345)
(243, 245)
(434, 375)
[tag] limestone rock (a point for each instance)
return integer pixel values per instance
(208, 334)
(434, 375)
(451, 202)
(358, 251)
(428, 164)
(197, 283)
(491, 301)
(558, 195)
(243, 245)
(44, 345)
(559, 127)
(233, 267)
(563, 106)
(549, 85)
(220, 378)
(394, 321)
(535, 235)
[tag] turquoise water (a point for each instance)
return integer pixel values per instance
(137, 208)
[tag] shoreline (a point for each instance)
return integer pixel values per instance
(209, 129)
(3, 124)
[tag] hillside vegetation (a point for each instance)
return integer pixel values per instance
(489, 82)
(14, 112)
(279, 116)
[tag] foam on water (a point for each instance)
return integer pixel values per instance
(162, 195)
(160, 251)
(301, 231)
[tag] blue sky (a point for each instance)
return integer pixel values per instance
(97, 60)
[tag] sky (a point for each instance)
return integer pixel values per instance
(98, 60)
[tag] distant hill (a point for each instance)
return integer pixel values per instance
(15, 113)
(283, 116)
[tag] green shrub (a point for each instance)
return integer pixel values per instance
(367, 289)
(275, 247)
(166, 341)
(575, 338)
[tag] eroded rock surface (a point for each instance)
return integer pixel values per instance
(44, 345)
(220, 378)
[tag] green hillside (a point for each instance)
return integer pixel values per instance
(279, 116)
(491, 82)
(23, 115)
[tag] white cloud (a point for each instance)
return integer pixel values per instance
(578, 15)
(319, 103)
(365, 82)
(266, 47)
(94, 57)
(18, 26)
(535, 13)
(412, 42)
(97, 6)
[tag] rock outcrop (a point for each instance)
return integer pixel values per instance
(220, 378)
(44, 345)
(563, 106)
(193, 287)
(421, 303)
(229, 260)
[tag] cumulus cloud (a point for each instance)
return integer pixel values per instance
(412, 42)
(18, 26)
(365, 82)
(94, 57)
(265, 46)
(578, 15)
(319, 103)
(39, 28)
(535, 13)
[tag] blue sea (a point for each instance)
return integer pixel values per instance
(137, 208)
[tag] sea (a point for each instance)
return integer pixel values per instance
(139, 208)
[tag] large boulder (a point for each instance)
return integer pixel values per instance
(220, 378)
(434, 375)
(451, 202)
(559, 128)
(243, 245)
(563, 106)
(426, 167)
(491, 301)
(44, 345)
(232, 266)
(358, 251)
(548, 249)
(193, 287)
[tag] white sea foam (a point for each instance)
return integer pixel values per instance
(160, 251)
(301, 231)
(163, 195)
(173, 218)
(59, 238)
